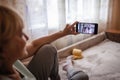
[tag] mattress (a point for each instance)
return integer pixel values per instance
(100, 62)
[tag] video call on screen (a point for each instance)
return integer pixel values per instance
(86, 28)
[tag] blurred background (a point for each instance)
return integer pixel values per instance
(43, 17)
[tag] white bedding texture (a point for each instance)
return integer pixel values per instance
(100, 62)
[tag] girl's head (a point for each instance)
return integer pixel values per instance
(12, 39)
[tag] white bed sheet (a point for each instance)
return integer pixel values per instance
(100, 62)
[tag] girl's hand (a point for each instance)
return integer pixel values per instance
(70, 29)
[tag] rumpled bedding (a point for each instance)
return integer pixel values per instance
(100, 62)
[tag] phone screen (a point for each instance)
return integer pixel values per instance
(87, 28)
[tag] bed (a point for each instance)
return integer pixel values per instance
(101, 56)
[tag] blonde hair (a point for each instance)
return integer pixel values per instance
(10, 24)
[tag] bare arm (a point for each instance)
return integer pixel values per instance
(36, 44)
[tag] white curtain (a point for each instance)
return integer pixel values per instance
(48, 16)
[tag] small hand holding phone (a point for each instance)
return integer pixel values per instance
(87, 28)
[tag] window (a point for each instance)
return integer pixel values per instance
(47, 16)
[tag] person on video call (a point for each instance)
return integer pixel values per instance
(44, 63)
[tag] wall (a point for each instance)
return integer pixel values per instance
(114, 15)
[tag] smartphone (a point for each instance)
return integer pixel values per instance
(87, 28)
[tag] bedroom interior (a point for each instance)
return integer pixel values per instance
(101, 52)
(101, 55)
